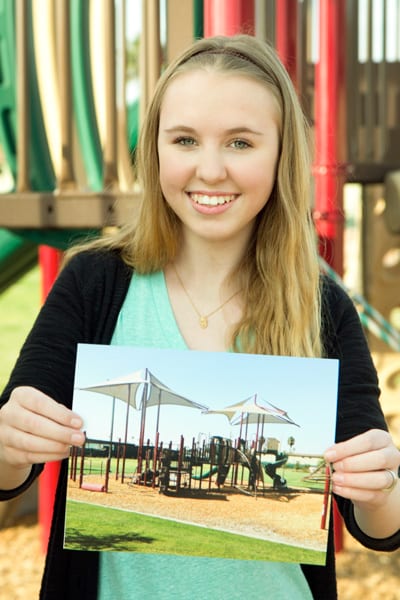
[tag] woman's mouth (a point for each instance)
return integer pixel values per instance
(211, 199)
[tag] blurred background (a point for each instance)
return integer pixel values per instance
(75, 78)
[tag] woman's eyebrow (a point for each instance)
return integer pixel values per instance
(237, 130)
(176, 128)
(230, 131)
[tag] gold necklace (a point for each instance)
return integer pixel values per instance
(203, 319)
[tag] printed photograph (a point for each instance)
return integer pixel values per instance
(207, 454)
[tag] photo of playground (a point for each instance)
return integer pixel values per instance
(241, 480)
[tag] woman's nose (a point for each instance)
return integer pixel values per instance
(211, 166)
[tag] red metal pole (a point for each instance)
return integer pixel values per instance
(326, 497)
(228, 17)
(330, 142)
(286, 35)
(330, 151)
(49, 262)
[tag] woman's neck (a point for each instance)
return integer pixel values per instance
(205, 297)
(211, 265)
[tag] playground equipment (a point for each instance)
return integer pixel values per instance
(182, 468)
(212, 467)
(209, 467)
(153, 393)
(279, 482)
(78, 455)
(17, 256)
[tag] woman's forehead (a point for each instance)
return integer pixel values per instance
(192, 92)
(200, 76)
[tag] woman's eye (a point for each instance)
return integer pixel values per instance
(240, 144)
(185, 141)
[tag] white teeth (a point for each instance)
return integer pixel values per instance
(211, 200)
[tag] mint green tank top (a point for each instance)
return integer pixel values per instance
(146, 319)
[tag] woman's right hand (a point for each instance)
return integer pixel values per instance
(34, 428)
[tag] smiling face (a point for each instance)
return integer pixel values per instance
(218, 148)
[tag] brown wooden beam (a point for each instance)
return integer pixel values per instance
(35, 210)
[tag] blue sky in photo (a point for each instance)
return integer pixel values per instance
(306, 388)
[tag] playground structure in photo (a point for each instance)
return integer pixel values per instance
(219, 464)
(206, 467)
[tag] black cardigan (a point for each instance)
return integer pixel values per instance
(82, 308)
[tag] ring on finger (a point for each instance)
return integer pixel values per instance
(393, 481)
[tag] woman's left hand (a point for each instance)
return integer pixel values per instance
(365, 468)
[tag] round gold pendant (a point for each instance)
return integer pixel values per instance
(203, 322)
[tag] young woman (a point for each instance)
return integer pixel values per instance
(222, 257)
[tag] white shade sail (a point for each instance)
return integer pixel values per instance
(125, 388)
(161, 394)
(250, 411)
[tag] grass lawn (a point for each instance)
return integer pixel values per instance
(91, 527)
(19, 306)
(295, 478)
(95, 465)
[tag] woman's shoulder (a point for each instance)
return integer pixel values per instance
(93, 274)
(334, 298)
(341, 322)
(98, 263)
(95, 257)
(337, 307)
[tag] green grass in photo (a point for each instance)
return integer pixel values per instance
(97, 466)
(92, 527)
(300, 478)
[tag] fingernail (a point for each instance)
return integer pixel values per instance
(76, 422)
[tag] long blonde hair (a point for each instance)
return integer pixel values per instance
(279, 274)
